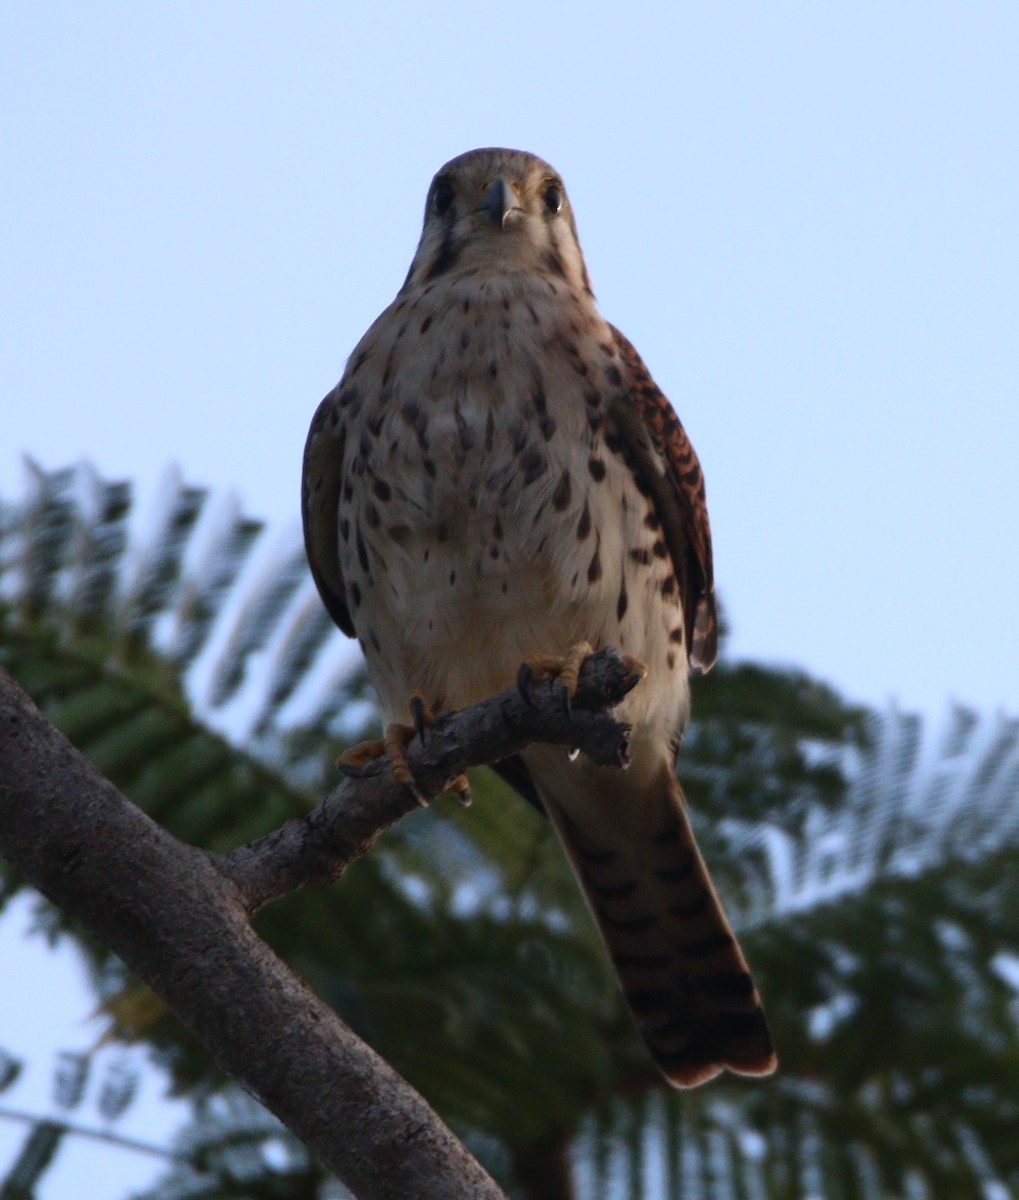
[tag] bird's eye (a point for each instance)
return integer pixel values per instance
(553, 197)
(442, 197)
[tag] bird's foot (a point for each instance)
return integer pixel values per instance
(393, 745)
(566, 669)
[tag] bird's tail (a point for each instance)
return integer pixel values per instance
(679, 964)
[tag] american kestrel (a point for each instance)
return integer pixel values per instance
(497, 478)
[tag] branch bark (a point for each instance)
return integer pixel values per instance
(180, 917)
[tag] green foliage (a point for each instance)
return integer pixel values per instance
(871, 863)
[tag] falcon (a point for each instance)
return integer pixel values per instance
(497, 480)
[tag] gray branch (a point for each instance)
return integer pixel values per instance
(179, 918)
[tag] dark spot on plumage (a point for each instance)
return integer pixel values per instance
(644, 1001)
(427, 554)
(452, 578)
(493, 369)
(429, 467)
(355, 594)
(493, 551)
(443, 261)
(489, 430)
(547, 427)
(711, 944)
(344, 529)
(613, 441)
(677, 635)
(382, 489)
(612, 375)
(642, 962)
(685, 869)
(465, 339)
(580, 367)
(375, 423)
(594, 567)
(533, 464)
(669, 585)
(359, 362)
(362, 552)
(622, 602)
(505, 586)
(554, 263)
(540, 402)
(534, 315)
(584, 524)
(641, 555)
(597, 468)
(651, 519)
(561, 495)
(346, 397)
(659, 549)
(670, 660)
(426, 324)
(374, 637)
(612, 891)
(365, 444)
(519, 438)
(642, 485)
(348, 490)
(371, 515)
(631, 925)
(692, 909)
(726, 985)
(573, 581)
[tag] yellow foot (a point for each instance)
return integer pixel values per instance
(393, 745)
(566, 669)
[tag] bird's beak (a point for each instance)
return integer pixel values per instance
(500, 202)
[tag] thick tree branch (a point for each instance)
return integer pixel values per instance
(179, 918)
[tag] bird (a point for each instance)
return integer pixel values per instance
(497, 480)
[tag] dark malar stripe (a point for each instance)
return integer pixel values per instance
(444, 260)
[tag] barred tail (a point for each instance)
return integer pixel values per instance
(679, 964)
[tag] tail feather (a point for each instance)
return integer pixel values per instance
(680, 966)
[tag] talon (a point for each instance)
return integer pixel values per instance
(421, 714)
(461, 788)
(637, 671)
(396, 741)
(525, 677)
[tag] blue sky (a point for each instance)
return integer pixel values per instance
(805, 216)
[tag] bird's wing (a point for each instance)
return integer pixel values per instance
(320, 496)
(664, 459)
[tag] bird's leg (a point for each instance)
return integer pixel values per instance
(393, 745)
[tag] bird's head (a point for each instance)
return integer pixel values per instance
(494, 211)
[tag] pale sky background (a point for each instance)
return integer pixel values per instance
(804, 215)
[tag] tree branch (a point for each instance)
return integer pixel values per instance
(179, 918)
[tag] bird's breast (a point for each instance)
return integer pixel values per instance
(484, 514)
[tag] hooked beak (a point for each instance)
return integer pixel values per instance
(500, 202)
